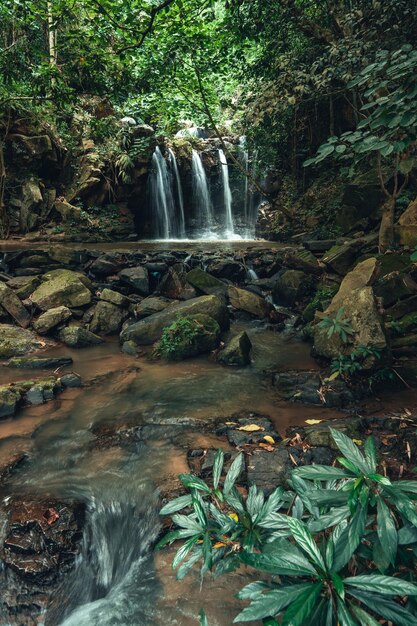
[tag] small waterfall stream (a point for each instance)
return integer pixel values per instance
(174, 165)
(204, 209)
(227, 194)
(161, 197)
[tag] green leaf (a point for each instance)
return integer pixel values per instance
(350, 450)
(387, 585)
(203, 618)
(409, 486)
(407, 535)
(303, 606)
(387, 531)
(327, 521)
(321, 472)
(176, 505)
(370, 453)
(253, 590)
(183, 551)
(272, 603)
(306, 542)
(349, 539)
(344, 616)
(233, 473)
(194, 482)
(217, 467)
(285, 560)
(338, 585)
(364, 618)
(187, 565)
(168, 538)
(403, 504)
(386, 608)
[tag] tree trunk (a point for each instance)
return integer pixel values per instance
(51, 39)
(386, 231)
(4, 225)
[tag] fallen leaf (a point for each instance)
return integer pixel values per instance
(234, 516)
(230, 423)
(313, 421)
(408, 447)
(293, 459)
(251, 428)
(332, 377)
(267, 447)
(51, 516)
(269, 439)
(358, 442)
(218, 545)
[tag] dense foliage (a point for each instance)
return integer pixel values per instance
(338, 547)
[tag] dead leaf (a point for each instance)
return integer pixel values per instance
(267, 447)
(311, 422)
(218, 545)
(269, 439)
(51, 515)
(293, 459)
(251, 428)
(408, 448)
(230, 423)
(358, 442)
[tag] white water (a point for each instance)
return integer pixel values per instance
(204, 208)
(174, 165)
(227, 195)
(161, 196)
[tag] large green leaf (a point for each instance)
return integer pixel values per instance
(321, 472)
(194, 482)
(217, 467)
(233, 473)
(363, 617)
(203, 618)
(385, 608)
(344, 616)
(387, 585)
(405, 506)
(183, 551)
(408, 486)
(253, 590)
(272, 603)
(350, 450)
(305, 540)
(285, 560)
(387, 531)
(300, 610)
(370, 453)
(349, 539)
(176, 505)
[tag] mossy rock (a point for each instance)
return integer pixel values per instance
(188, 337)
(62, 288)
(17, 341)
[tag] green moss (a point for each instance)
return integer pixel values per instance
(188, 336)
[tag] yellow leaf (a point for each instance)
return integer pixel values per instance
(230, 423)
(234, 517)
(269, 439)
(218, 545)
(251, 428)
(313, 421)
(332, 377)
(358, 442)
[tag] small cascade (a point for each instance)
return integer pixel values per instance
(204, 209)
(227, 194)
(245, 160)
(161, 196)
(174, 166)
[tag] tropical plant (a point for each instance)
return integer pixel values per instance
(183, 330)
(320, 542)
(337, 325)
(353, 363)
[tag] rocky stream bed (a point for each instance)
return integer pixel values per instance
(95, 426)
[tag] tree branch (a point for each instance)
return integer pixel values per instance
(148, 29)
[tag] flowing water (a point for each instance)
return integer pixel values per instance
(117, 579)
(227, 195)
(202, 200)
(162, 197)
(180, 197)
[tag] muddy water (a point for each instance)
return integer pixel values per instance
(117, 580)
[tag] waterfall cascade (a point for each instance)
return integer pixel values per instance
(204, 208)
(227, 194)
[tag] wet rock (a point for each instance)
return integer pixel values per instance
(394, 287)
(42, 538)
(292, 286)
(39, 362)
(106, 265)
(340, 258)
(237, 351)
(232, 270)
(136, 278)
(308, 388)
(9, 400)
(71, 380)
(107, 318)
(205, 282)
(268, 470)
(51, 318)
(402, 308)
(78, 337)
(40, 391)
(303, 260)
(319, 435)
(151, 305)
(202, 335)
(360, 308)
(110, 434)
(13, 305)
(174, 285)
(17, 341)
(245, 300)
(23, 286)
(149, 330)
(363, 275)
(129, 347)
(240, 431)
(114, 297)
(62, 288)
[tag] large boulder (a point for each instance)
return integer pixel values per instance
(62, 288)
(394, 287)
(13, 305)
(23, 286)
(188, 337)
(245, 300)
(136, 278)
(363, 275)
(108, 295)
(52, 318)
(78, 337)
(205, 282)
(292, 286)
(151, 305)
(237, 351)
(361, 309)
(149, 330)
(107, 318)
(303, 260)
(340, 258)
(17, 341)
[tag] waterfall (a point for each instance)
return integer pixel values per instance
(174, 165)
(245, 159)
(204, 210)
(162, 199)
(227, 194)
